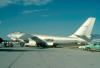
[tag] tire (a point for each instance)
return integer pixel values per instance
(22, 44)
(54, 46)
(11, 45)
(88, 49)
(5, 44)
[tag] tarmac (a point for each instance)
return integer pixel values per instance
(31, 57)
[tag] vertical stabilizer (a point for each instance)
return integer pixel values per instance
(86, 28)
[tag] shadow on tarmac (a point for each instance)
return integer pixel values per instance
(22, 50)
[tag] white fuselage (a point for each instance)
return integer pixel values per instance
(61, 40)
(51, 40)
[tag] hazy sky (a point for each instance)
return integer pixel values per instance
(52, 17)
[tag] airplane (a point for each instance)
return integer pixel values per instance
(81, 37)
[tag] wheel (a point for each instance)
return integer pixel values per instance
(5, 44)
(54, 45)
(11, 45)
(22, 44)
(88, 49)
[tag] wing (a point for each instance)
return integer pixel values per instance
(39, 42)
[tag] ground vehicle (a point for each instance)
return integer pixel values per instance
(93, 47)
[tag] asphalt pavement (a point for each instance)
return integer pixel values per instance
(30, 57)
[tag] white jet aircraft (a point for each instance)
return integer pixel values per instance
(81, 37)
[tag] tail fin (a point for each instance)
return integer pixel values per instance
(86, 28)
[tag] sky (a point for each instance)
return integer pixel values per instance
(47, 17)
